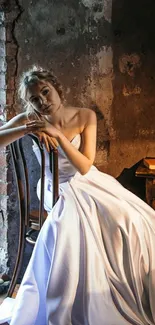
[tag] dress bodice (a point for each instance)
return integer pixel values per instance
(66, 169)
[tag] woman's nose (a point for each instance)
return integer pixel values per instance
(42, 100)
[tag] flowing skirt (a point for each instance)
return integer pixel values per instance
(94, 261)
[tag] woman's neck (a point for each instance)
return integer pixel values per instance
(57, 118)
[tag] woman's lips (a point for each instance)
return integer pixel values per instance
(46, 109)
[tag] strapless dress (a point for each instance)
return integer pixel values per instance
(94, 260)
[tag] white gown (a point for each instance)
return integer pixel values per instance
(94, 259)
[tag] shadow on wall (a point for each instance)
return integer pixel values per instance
(133, 113)
(103, 136)
(133, 27)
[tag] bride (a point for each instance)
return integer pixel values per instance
(93, 262)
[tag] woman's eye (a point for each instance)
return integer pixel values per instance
(45, 92)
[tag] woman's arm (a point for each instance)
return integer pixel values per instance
(13, 130)
(82, 159)
(16, 128)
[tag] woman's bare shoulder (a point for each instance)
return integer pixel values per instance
(83, 111)
(81, 117)
(87, 114)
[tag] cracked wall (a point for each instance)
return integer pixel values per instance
(9, 203)
(74, 38)
(3, 153)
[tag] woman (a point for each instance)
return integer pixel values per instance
(93, 262)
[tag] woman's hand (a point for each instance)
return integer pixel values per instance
(46, 133)
(47, 140)
(42, 126)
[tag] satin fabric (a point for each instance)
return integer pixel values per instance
(94, 260)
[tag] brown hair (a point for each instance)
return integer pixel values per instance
(36, 74)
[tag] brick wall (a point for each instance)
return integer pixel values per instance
(9, 12)
(12, 12)
(3, 156)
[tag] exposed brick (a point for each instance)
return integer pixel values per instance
(11, 67)
(3, 169)
(11, 49)
(9, 97)
(10, 111)
(9, 36)
(13, 110)
(10, 83)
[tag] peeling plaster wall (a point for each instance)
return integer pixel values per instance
(70, 37)
(9, 204)
(103, 53)
(74, 39)
(3, 153)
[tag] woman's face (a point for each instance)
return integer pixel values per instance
(43, 97)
